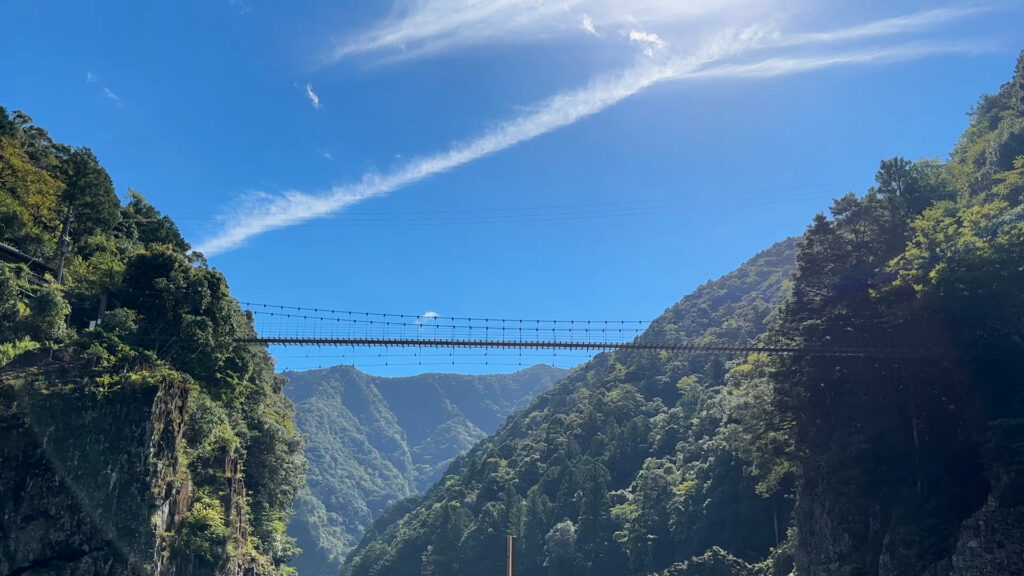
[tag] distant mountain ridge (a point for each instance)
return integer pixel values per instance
(372, 441)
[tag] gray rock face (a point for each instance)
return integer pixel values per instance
(838, 536)
(97, 483)
(94, 479)
(990, 542)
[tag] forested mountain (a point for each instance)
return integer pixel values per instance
(621, 468)
(372, 441)
(153, 443)
(912, 464)
(903, 457)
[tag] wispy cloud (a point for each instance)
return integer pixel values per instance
(242, 7)
(110, 95)
(786, 66)
(313, 98)
(897, 25)
(428, 27)
(265, 212)
(326, 154)
(652, 42)
(431, 26)
(734, 53)
(646, 38)
(588, 25)
(91, 78)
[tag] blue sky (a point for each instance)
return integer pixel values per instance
(577, 159)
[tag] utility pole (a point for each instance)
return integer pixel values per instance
(511, 556)
(64, 245)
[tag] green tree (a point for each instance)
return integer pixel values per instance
(560, 549)
(89, 191)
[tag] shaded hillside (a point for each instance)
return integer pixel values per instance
(621, 468)
(373, 441)
(913, 464)
(154, 443)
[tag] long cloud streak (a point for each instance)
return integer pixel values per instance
(736, 54)
(266, 213)
(562, 110)
(433, 26)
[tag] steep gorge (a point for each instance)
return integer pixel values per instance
(372, 441)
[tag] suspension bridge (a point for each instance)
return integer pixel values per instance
(281, 325)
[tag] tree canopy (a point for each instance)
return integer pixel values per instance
(158, 313)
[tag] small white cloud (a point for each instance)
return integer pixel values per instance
(110, 94)
(646, 38)
(588, 25)
(650, 39)
(242, 7)
(313, 98)
(326, 154)
(426, 317)
(90, 77)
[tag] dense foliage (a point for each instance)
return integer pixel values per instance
(904, 458)
(371, 441)
(626, 466)
(897, 451)
(162, 315)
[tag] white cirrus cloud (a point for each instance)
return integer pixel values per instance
(646, 38)
(314, 99)
(737, 52)
(782, 66)
(111, 96)
(904, 24)
(588, 25)
(652, 42)
(263, 212)
(427, 27)
(242, 7)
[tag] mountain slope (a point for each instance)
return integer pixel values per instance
(444, 415)
(373, 441)
(619, 450)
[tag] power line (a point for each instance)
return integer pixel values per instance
(553, 212)
(262, 308)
